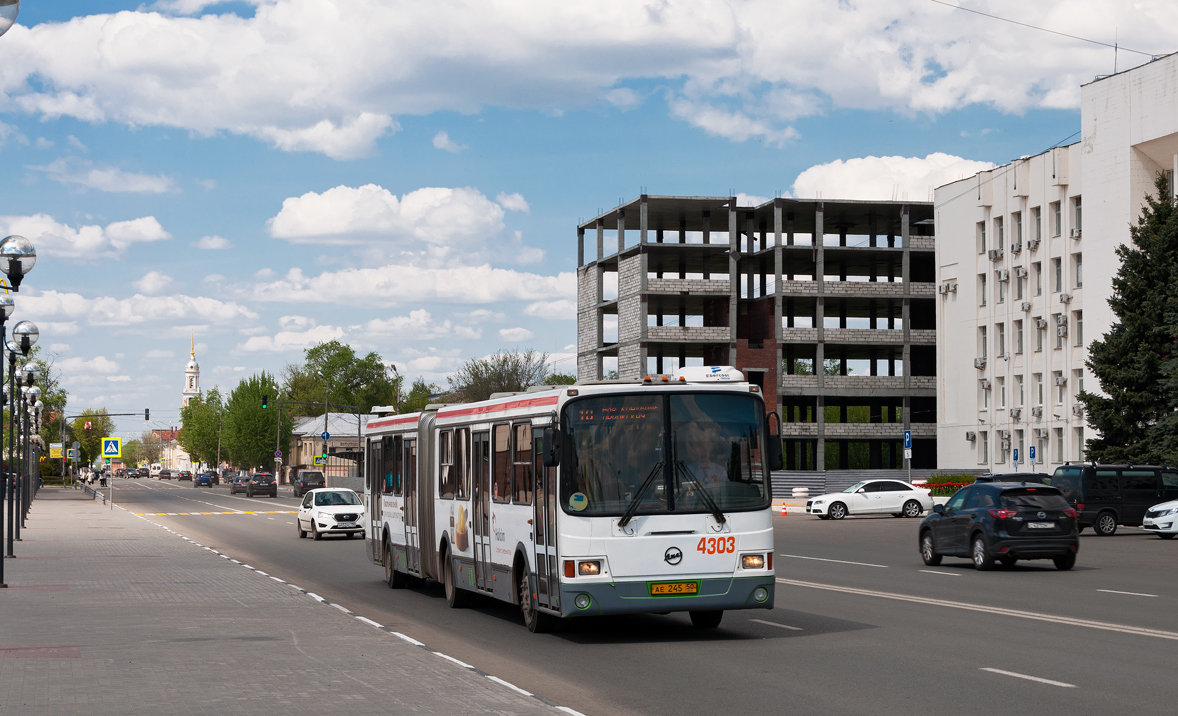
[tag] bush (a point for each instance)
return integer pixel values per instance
(944, 484)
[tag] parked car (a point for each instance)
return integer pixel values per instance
(261, 483)
(1162, 519)
(1106, 496)
(872, 497)
(1001, 521)
(306, 480)
(240, 483)
(203, 479)
(330, 511)
(1039, 478)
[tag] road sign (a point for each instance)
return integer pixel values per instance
(907, 439)
(326, 435)
(1031, 453)
(278, 460)
(320, 460)
(112, 447)
(1015, 454)
(75, 444)
(55, 450)
(73, 453)
(908, 454)
(278, 454)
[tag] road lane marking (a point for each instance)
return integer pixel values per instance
(783, 626)
(1028, 677)
(1017, 613)
(200, 514)
(509, 685)
(1131, 594)
(840, 561)
(447, 657)
(947, 574)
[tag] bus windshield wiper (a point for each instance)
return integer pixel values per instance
(703, 492)
(634, 503)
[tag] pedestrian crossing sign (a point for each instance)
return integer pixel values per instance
(112, 447)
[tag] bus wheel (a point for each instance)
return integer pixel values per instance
(707, 620)
(393, 578)
(537, 621)
(455, 598)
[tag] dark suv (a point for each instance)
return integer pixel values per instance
(261, 483)
(1040, 478)
(307, 480)
(1109, 495)
(1003, 521)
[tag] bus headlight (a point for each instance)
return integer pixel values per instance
(589, 569)
(752, 561)
(583, 600)
(760, 594)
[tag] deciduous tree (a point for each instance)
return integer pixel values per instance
(249, 429)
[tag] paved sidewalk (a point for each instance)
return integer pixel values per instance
(107, 613)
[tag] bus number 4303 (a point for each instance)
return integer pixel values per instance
(716, 545)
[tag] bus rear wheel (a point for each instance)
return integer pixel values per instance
(537, 621)
(393, 578)
(706, 620)
(456, 597)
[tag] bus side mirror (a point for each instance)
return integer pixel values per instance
(550, 445)
(773, 449)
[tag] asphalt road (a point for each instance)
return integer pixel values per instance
(860, 626)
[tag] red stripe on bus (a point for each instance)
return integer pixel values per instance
(498, 408)
(390, 422)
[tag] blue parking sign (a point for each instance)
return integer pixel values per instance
(1031, 453)
(907, 439)
(1015, 452)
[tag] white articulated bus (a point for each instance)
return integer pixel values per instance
(588, 499)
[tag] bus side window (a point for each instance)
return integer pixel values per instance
(462, 463)
(398, 445)
(446, 473)
(386, 465)
(522, 491)
(501, 447)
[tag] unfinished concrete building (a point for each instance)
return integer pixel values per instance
(827, 305)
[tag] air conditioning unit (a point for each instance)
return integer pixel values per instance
(1061, 320)
(1016, 248)
(1061, 380)
(1020, 271)
(952, 287)
(1078, 410)
(1026, 305)
(1037, 411)
(995, 254)
(1065, 298)
(943, 288)
(979, 363)
(1040, 323)
(971, 435)
(1061, 331)
(1016, 412)
(985, 385)
(1077, 233)
(1033, 244)
(1041, 432)
(1004, 275)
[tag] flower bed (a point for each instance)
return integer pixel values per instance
(944, 484)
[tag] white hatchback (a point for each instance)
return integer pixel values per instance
(330, 511)
(1162, 519)
(872, 497)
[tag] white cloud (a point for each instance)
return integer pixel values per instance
(43, 143)
(442, 141)
(291, 340)
(395, 283)
(513, 202)
(108, 179)
(157, 353)
(77, 143)
(212, 243)
(884, 178)
(166, 311)
(152, 282)
(743, 199)
(515, 334)
(418, 325)
(555, 310)
(731, 124)
(352, 139)
(213, 278)
(86, 366)
(84, 242)
(347, 215)
(529, 255)
(59, 347)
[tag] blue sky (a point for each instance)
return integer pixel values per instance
(267, 174)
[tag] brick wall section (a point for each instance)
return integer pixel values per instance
(799, 288)
(629, 362)
(695, 334)
(795, 335)
(858, 431)
(630, 318)
(868, 336)
(881, 382)
(765, 358)
(691, 285)
(928, 243)
(587, 328)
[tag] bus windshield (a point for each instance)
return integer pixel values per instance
(665, 453)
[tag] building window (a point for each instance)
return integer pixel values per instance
(1022, 451)
(1080, 444)
(1036, 224)
(1042, 448)
(982, 293)
(1077, 215)
(1017, 217)
(1057, 272)
(1039, 389)
(982, 340)
(1079, 271)
(999, 234)
(1079, 328)
(983, 447)
(1019, 287)
(1018, 336)
(1000, 340)
(981, 237)
(985, 397)
(1001, 392)
(1039, 336)
(1056, 219)
(1059, 389)
(1021, 400)
(1001, 289)
(1038, 279)
(1058, 331)
(1059, 444)
(1078, 375)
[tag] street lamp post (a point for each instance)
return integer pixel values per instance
(13, 406)
(34, 428)
(17, 258)
(32, 395)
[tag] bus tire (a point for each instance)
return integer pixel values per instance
(393, 578)
(537, 621)
(456, 597)
(706, 620)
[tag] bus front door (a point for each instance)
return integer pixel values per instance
(412, 547)
(481, 468)
(544, 530)
(375, 483)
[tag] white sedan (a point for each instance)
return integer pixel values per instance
(872, 497)
(330, 511)
(1162, 519)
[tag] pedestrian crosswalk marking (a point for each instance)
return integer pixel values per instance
(193, 514)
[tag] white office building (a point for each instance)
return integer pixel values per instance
(1025, 259)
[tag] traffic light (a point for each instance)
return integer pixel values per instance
(147, 413)
(265, 402)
